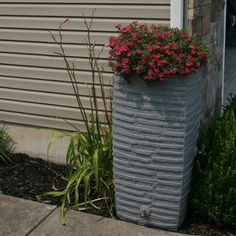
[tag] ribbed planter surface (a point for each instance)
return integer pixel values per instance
(155, 128)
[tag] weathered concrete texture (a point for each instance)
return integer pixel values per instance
(18, 217)
(83, 224)
(206, 17)
(34, 142)
(155, 128)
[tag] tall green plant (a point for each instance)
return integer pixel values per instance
(6, 145)
(89, 177)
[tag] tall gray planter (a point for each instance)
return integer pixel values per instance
(155, 128)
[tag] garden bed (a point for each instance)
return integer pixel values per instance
(29, 177)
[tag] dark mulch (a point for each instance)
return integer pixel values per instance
(29, 177)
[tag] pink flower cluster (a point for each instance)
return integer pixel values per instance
(155, 52)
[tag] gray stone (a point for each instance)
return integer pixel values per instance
(83, 224)
(18, 217)
(206, 17)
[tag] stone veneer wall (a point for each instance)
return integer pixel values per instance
(206, 17)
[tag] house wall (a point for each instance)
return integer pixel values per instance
(34, 86)
(35, 90)
(206, 17)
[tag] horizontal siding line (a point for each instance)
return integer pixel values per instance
(32, 22)
(67, 30)
(58, 99)
(49, 80)
(72, 51)
(44, 42)
(76, 45)
(28, 113)
(73, 10)
(45, 94)
(47, 109)
(45, 74)
(45, 67)
(97, 17)
(54, 30)
(90, 4)
(51, 55)
(34, 121)
(54, 105)
(86, 3)
(54, 87)
(50, 62)
(44, 36)
(57, 30)
(59, 93)
(36, 125)
(45, 116)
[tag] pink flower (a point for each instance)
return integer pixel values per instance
(150, 72)
(154, 52)
(163, 62)
(176, 48)
(157, 56)
(134, 36)
(124, 49)
(125, 61)
(118, 53)
(169, 53)
(115, 66)
(188, 70)
(192, 46)
(125, 69)
(200, 53)
(149, 48)
(188, 63)
(164, 35)
(107, 45)
(119, 26)
(190, 57)
(129, 54)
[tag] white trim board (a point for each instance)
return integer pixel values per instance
(177, 13)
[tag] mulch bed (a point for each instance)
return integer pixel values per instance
(29, 177)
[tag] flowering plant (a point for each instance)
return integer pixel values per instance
(154, 52)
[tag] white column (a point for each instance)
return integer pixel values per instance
(177, 13)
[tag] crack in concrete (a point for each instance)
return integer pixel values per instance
(40, 222)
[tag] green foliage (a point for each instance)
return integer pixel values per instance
(89, 176)
(6, 145)
(231, 103)
(213, 192)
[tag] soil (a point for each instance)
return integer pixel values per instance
(28, 177)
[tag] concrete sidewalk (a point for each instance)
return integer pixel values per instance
(21, 217)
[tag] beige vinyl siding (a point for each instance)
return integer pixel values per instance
(34, 86)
